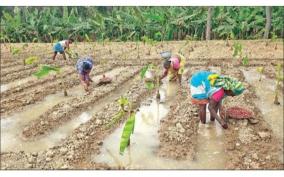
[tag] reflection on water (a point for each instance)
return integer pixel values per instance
(12, 126)
(145, 141)
(273, 114)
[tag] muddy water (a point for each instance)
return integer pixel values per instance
(273, 114)
(12, 126)
(145, 141)
(210, 145)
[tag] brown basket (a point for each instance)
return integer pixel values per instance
(237, 112)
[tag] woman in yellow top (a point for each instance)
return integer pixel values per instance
(173, 67)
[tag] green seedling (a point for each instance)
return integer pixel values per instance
(237, 50)
(245, 60)
(14, 50)
(279, 78)
(260, 70)
(31, 60)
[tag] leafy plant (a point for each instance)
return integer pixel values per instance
(27, 24)
(122, 102)
(237, 49)
(150, 42)
(71, 54)
(260, 70)
(14, 50)
(45, 70)
(245, 60)
(31, 60)
(143, 71)
(126, 133)
(279, 78)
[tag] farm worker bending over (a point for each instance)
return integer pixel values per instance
(173, 67)
(207, 87)
(61, 47)
(84, 67)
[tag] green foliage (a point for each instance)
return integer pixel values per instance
(126, 133)
(123, 101)
(245, 60)
(45, 70)
(44, 24)
(279, 72)
(273, 37)
(143, 71)
(71, 54)
(14, 50)
(237, 49)
(116, 118)
(31, 60)
(260, 69)
(150, 85)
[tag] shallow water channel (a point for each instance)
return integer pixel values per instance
(264, 89)
(12, 125)
(145, 141)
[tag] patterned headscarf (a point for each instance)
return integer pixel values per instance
(226, 82)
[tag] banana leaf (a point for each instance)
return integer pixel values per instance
(45, 69)
(123, 101)
(150, 85)
(126, 133)
(143, 71)
(245, 60)
(260, 69)
(31, 60)
(14, 50)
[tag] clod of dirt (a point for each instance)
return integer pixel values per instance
(264, 135)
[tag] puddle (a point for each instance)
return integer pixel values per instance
(273, 114)
(210, 152)
(145, 142)
(12, 126)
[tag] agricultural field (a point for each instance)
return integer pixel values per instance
(51, 123)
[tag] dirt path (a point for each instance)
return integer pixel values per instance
(18, 101)
(75, 150)
(250, 146)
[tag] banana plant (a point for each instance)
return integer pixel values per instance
(150, 42)
(45, 70)
(237, 50)
(14, 50)
(245, 60)
(122, 102)
(151, 84)
(31, 60)
(126, 133)
(71, 54)
(279, 78)
(260, 70)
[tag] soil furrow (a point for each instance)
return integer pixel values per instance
(250, 146)
(18, 101)
(65, 111)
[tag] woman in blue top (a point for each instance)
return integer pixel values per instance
(207, 87)
(60, 47)
(84, 66)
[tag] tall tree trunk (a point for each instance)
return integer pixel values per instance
(268, 10)
(209, 21)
